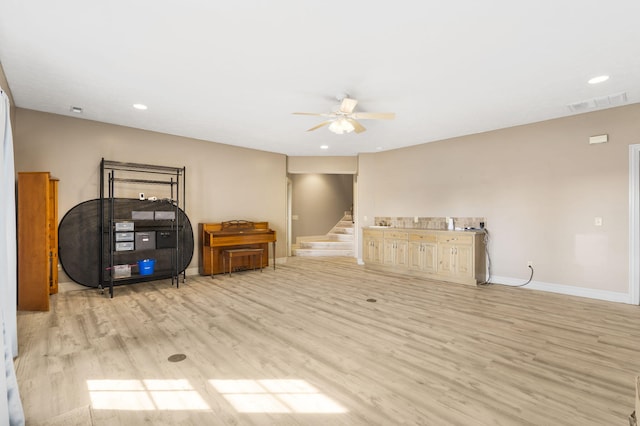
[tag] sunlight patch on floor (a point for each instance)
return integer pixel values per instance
(275, 396)
(244, 395)
(144, 395)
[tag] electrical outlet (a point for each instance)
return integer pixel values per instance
(529, 263)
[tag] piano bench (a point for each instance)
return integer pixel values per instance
(241, 252)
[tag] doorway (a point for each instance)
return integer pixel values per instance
(317, 202)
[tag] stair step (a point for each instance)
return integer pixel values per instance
(331, 245)
(340, 237)
(337, 242)
(339, 230)
(314, 252)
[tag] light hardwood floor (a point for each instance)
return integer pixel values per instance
(301, 345)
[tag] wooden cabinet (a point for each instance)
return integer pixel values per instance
(37, 217)
(454, 256)
(395, 248)
(372, 246)
(423, 251)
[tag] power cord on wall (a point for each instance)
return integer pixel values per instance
(486, 250)
(488, 280)
(528, 281)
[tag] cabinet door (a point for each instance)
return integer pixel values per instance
(378, 253)
(389, 255)
(446, 262)
(464, 260)
(430, 258)
(401, 253)
(37, 244)
(395, 252)
(415, 256)
(423, 257)
(372, 250)
(455, 260)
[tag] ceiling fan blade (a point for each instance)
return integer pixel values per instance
(324, 123)
(374, 115)
(357, 127)
(348, 105)
(318, 114)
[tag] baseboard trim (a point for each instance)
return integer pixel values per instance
(609, 296)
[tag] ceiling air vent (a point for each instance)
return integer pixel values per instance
(602, 101)
(618, 98)
(580, 106)
(599, 102)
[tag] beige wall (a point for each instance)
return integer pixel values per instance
(319, 201)
(540, 186)
(223, 182)
(334, 165)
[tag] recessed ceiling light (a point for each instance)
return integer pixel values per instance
(76, 110)
(140, 106)
(599, 79)
(324, 146)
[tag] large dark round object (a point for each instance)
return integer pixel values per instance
(80, 235)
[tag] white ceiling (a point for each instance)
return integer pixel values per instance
(233, 71)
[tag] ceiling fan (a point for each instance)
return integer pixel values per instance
(344, 120)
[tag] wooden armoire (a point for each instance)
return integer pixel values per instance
(37, 217)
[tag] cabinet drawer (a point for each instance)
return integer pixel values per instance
(372, 234)
(124, 236)
(396, 235)
(124, 246)
(455, 238)
(124, 226)
(423, 238)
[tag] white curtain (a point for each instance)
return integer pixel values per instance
(10, 407)
(8, 263)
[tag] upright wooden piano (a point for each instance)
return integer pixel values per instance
(214, 238)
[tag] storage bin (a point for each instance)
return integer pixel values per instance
(146, 266)
(124, 226)
(124, 246)
(121, 271)
(146, 240)
(165, 239)
(165, 215)
(124, 236)
(140, 215)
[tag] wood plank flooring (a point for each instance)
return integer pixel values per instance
(301, 345)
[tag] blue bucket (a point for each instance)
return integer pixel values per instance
(145, 267)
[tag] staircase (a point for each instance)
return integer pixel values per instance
(337, 242)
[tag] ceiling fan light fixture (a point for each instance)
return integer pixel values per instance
(340, 126)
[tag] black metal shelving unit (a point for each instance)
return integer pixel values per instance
(114, 175)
